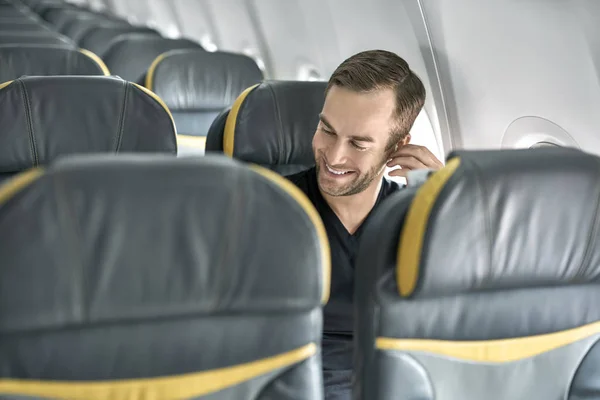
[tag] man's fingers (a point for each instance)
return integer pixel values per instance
(399, 172)
(406, 162)
(421, 154)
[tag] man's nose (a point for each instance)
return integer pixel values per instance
(336, 153)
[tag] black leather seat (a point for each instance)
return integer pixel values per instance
(46, 117)
(130, 55)
(146, 277)
(271, 124)
(197, 85)
(21, 60)
(35, 38)
(79, 27)
(21, 25)
(100, 35)
(481, 283)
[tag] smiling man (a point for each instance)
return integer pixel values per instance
(371, 103)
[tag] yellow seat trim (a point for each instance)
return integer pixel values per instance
(197, 142)
(230, 123)
(412, 237)
(5, 84)
(17, 183)
(310, 209)
(149, 83)
(97, 60)
(165, 388)
(159, 101)
(496, 351)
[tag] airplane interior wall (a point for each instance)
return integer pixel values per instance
(499, 73)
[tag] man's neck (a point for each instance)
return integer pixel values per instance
(353, 210)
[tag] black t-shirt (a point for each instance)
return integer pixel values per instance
(338, 321)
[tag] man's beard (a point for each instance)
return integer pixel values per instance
(358, 185)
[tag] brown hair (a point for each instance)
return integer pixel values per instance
(379, 69)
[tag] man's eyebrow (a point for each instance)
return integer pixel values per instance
(362, 139)
(326, 123)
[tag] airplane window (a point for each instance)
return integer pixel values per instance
(308, 73)
(544, 144)
(532, 132)
(422, 134)
(172, 32)
(207, 42)
(254, 54)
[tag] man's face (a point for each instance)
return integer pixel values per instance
(350, 142)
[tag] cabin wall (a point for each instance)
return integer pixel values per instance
(498, 73)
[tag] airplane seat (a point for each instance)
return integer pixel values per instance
(481, 283)
(24, 25)
(272, 124)
(197, 85)
(46, 9)
(27, 60)
(10, 11)
(98, 38)
(79, 27)
(216, 131)
(46, 117)
(130, 55)
(62, 19)
(153, 280)
(25, 37)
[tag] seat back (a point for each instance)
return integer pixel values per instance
(46, 117)
(146, 277)
(481, 283)
(130, 55)
(79, 27)
(197, 85)
(34, 37)
(271, 124)
(99, 37)
(21, 60)
(21, 25)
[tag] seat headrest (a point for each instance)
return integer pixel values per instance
(98, 38)
(34, 38)
(130, 55)
(201, 80)
(20, 60)
(197, 85)
(503, 219)
(153, 237)
(272, 124)
(45, 117)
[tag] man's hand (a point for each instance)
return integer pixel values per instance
(412, 156)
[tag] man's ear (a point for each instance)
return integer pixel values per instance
(406, 140)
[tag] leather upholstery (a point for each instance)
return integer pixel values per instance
(34, 38)
(151, 267)
(21, 25)
(23, 60)
(98, 39)
(78, 27)
(197, 85)
(130, 55)
(47, 117)
(216, 132)
(9, 11)
(273, 124)
(481, 283)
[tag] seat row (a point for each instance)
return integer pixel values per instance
(148, 276)
(196, 85)
(189, 277)
(270, 124)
